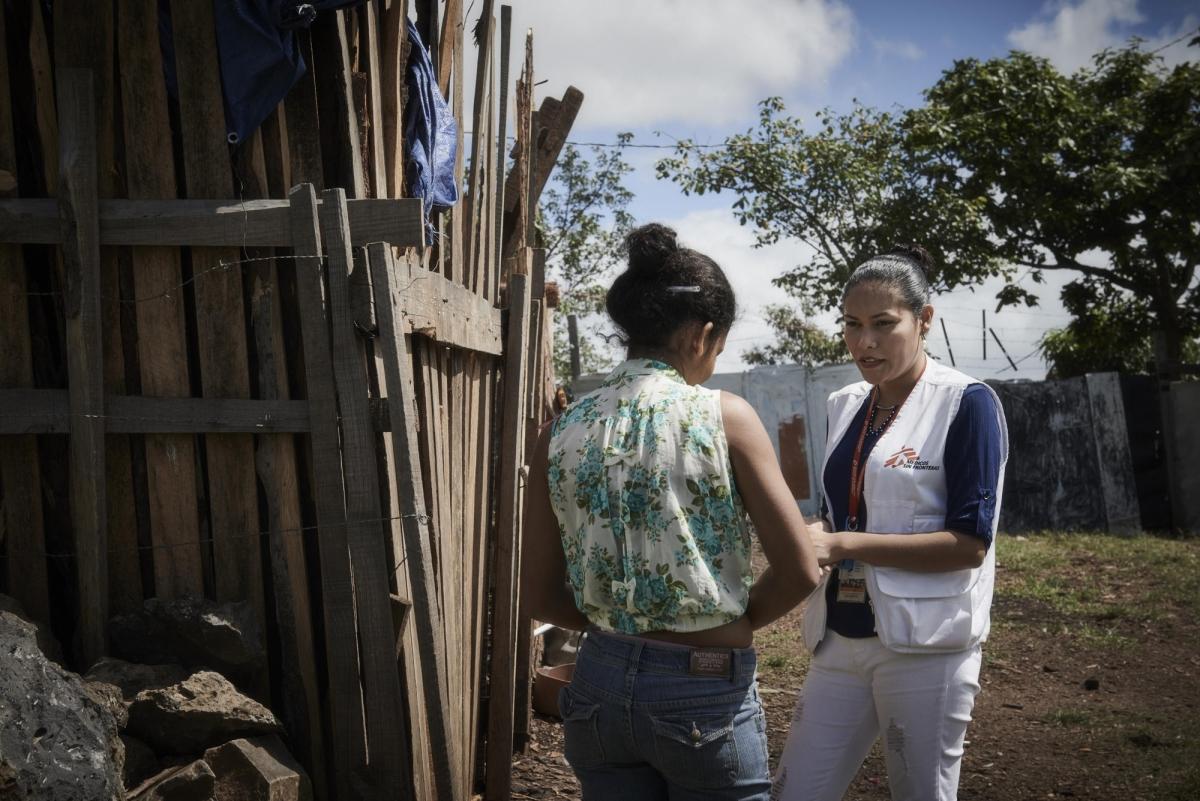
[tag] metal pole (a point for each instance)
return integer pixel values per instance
(942, 320)
(1002, 350)
(984, 333)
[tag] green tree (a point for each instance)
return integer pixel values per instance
(1009, 169)
(583, 218)
(1095, 173)
(847, 190)
(798, 341)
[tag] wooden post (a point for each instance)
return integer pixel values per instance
(533, 411)
(220, 314)
(84, 38)
(347, 739)
(387, 741)
(276, 466)
(573, 333)
(81, 251)
(20, 472)
(508, 546)
(418, 552)
(162, 341)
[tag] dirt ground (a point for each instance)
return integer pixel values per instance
(1091, 680)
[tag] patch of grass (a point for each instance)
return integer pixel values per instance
(1067, 717)
(1100, 578)
(776, 661)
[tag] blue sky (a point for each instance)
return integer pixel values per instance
(697, 68)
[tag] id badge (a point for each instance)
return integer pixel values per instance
(852, 583)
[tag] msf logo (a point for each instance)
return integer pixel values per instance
(908, 459)
(902, 458)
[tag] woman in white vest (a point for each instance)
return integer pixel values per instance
(914, 466)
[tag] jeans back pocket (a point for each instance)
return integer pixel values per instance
(696, 752)
(581, 729)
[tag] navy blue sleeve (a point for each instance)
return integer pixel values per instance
(974, 448)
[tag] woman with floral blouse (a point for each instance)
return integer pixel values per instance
(637, 532)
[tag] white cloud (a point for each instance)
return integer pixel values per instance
(896, 48)
(671, 61)
(717, 234)
(1070, 34)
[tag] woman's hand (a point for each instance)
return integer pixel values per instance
(824, 543)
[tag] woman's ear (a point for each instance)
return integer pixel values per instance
(705, 339)
(926, 321)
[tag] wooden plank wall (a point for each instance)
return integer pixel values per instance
(276, 415)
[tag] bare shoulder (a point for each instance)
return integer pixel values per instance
(739, 418)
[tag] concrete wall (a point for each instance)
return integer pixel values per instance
(1069, 465)
(1183, 400)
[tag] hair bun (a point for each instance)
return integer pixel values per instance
(915, 253)
(649, 246)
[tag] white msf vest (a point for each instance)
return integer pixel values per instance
(905, 492)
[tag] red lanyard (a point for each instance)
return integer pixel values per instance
(858, 476)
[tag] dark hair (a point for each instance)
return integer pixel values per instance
(904, 269)
(665, 287)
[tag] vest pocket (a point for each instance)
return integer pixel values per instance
(696, 752)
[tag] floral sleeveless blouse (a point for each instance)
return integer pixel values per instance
(653, 529)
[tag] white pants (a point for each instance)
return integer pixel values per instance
(857, 691)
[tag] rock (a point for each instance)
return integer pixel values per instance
(131, 679)
(140, 761)
(201, 711)
(46, 640)
(261, 769)
(1091, 683)
(109, 697)
(193, 632)
(56, 742)
(191, 782)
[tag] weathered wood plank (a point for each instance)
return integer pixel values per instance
(20, 472)
(537, 277)
(386, 737)
(395, 36)
(347, 742)
(397, 359)
(339, 128)
(81, 251)
(220, 314)
(84, 38)
(275, 460)
(209, 223)
(449, 313)
(157, 273)
(508, 545)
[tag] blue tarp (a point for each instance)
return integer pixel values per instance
(256, 48)
(430, 132)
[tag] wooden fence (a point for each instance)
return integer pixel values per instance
(242, 373)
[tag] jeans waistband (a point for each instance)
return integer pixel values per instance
(661, 657)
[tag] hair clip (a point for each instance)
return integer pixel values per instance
(682, 289)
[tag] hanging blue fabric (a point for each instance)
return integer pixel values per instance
(430, 133)
(256, 48)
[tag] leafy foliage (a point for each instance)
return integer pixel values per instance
(1095, 173)
(848, 191)
(583, 219)
(1009, 169)
(799, 341)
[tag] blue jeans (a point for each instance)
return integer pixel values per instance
(638, 725)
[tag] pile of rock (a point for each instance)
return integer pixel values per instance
(171, 731)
